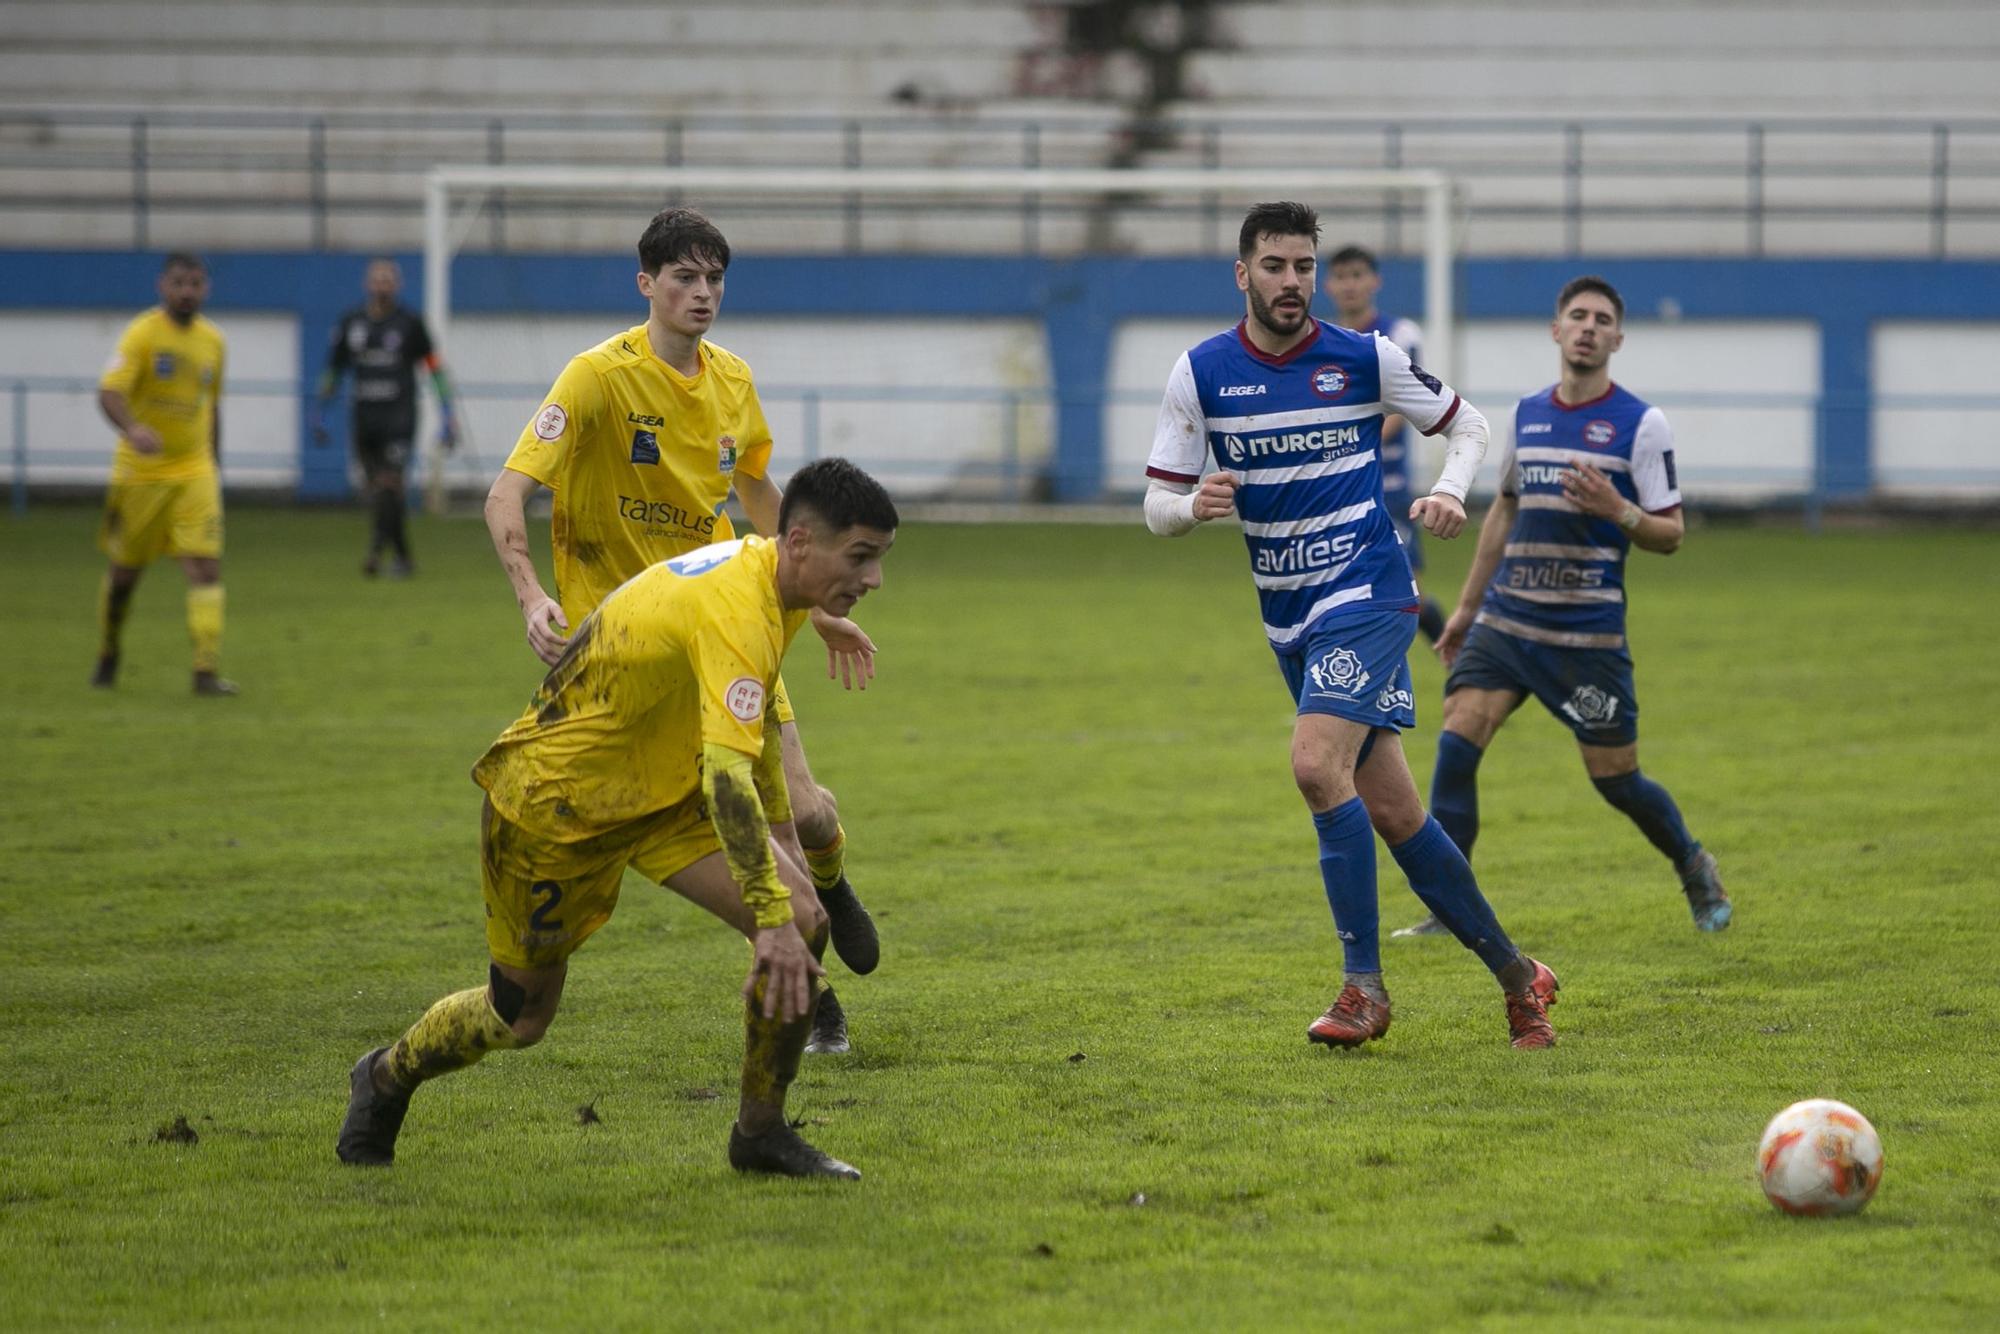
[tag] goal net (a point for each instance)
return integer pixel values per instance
(455, 195)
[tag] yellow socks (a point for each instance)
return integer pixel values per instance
(204, 613)
(453, 1033)
(829, 863)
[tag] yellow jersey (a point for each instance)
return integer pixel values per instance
(683, 654)
(641, 459)
(171, 377)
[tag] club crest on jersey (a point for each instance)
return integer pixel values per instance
(1338, 672)
(725, 453)
(1330, 382)
(645, 447)
(163, 365)
(551, 422)
(1599, 432)
(1591, 707)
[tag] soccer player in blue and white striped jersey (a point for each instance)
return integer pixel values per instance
(1290, 410)
(1588, 475)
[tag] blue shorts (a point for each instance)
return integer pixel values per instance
(1355, 666)
(1589, 690)
(1409, 535)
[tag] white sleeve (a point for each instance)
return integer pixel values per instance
(1180, 441)
(1464, 447)
(1411, 392)
(1653, 463)
(1170, 508)
(1405, 334)
(1510, 460)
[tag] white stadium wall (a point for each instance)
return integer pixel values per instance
(1740, 395)
(1929, 439)
(68, 438)
(876, 383)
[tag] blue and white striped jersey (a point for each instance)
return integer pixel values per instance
(1396, 457)
(1301, 433)
(1561, 579)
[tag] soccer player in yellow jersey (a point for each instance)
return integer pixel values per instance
(642, 748)
(641, 439)
(162, 391)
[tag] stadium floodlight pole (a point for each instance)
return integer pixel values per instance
(441, 183)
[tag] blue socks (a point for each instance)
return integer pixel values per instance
(1442, 878)
(1455, 790)
(1347, 866)
(1651, 808)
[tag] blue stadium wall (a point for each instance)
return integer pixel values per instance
(1082, 302)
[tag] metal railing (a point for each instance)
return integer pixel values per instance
(1548, 184)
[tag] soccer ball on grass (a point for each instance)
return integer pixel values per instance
(1819, 1157)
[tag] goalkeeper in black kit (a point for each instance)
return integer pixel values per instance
(382, 342)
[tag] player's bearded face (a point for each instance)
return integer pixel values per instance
(182, 290)
(1278, 279)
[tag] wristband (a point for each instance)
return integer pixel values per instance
(1629, 520)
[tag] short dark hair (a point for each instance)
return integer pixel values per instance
(680, 233)
(183, 259)
(1590, 282)
(1353, 254)
(1283, 218)
(840, 495)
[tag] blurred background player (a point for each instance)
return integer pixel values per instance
(1588, 475)
(163, 391)
(642, 748)
(383, 342)
(641, 439)
(1352, 281)
(1337, 600)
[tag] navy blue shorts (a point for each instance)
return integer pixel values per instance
(1409, 535)
(1355, 666)
(1589, 690)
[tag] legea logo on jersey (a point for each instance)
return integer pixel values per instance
(703, 560)
(1338, 672)
(163, 365)
(1330, 382)
(1239, 390)
(1535, 428)
(1599, 432)
(1591, 707)
(645, 447)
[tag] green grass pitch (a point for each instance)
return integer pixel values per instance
(1080, 1090)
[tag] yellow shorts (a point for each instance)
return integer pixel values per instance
(144, 521)
(543, 899)
(781, 702)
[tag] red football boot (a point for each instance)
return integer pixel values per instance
(1528, 1011)
(1356, 1017)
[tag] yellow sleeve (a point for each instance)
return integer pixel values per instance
(735, 659)
(730, 787)
(753, 452)
(571, 411)
(128, 363)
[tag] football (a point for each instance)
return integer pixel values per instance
(1819, 1157)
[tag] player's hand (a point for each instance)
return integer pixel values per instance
(143, 439)
(1452, 638)
(850, 653)
(779, 955)
(543, 638)
(1439, 515)
(1591, 491)
(1216, 497)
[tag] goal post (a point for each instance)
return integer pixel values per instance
(446, 185)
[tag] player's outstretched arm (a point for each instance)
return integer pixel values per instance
(507, 524)
(779, 952)
(1486, 557)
